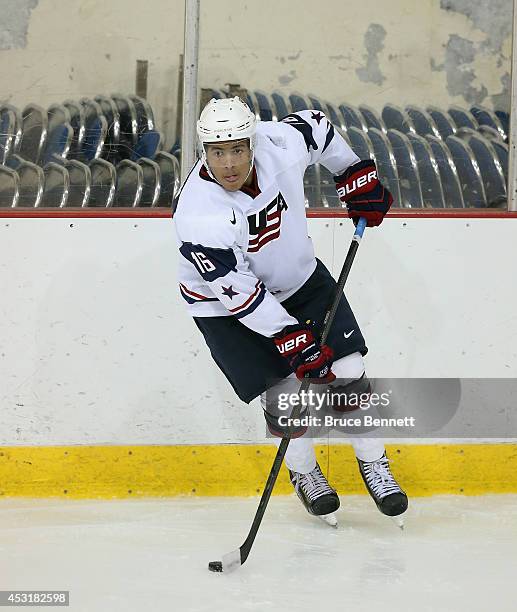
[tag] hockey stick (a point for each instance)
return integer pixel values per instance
(236, 558)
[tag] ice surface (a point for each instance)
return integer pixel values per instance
(456, 554)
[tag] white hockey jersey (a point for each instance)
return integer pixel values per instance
(243, 253)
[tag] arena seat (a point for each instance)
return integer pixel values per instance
(485, 116)
(128, 123)
(264, 106)
(144, 114)
(103, 183)
(77, 121)
(58, 143)
(130, 178)
(298, 102)
(31, 181)
(452, 192)
(9, 187)
(7, 134)
(468, 172)
(385, 161)
(462, 118)
(315, 103)
(56, 186)
(170, 177)
(409, 178)
(371, 118)
(109, 109)
(443, 122)
(282, 108)
(151, 182)
(430, 181)
(423, 122)
(395, 118)
(34, 132)
(492, 173)
(359, 142)
(149, 143)
(352, 117)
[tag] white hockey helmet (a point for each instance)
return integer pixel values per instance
(223, 120)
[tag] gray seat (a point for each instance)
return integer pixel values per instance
(103, 183)
(96, 130)
(491, 170)
(409, 178)
(298, 102)
(7, 134)
(129, 184)
(395, 118)
(352, 117)
(452, 192)
(17, 124)
(77, 121)
(430, 181)
(372, 118)
(31, 181)
(109, 109)
(328, 193)
(422, 120)
(170, 178)
(80, 181)
(312, 186)
(336, 118)
(282, 107)
(386, 163)
(443, 122)
(55, 190)
(34, 132)
(485, 116)
(462, 118)
(9, 187)
(490, 133)
(128, 124)
(151, 182)
(265, 107)
(315, 103)
(468, 172)
(359, 142)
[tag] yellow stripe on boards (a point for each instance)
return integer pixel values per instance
(135, 471)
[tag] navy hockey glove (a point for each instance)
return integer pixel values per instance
(362, 192)
(305, 355)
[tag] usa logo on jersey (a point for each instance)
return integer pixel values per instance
(264, 225)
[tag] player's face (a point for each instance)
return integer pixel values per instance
(229, 162)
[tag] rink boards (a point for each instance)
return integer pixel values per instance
(107, 389)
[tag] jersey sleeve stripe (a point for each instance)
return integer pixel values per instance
(255, 304)
(191, 297)
(251, 301)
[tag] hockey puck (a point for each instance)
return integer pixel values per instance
(215, 566)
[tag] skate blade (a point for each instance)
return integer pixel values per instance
(399, 521)
(330, 519)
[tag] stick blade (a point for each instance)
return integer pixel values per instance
(230, 562)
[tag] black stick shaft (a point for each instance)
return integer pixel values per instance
(279, 458)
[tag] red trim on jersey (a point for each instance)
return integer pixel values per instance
(250, 299)
(199, 296)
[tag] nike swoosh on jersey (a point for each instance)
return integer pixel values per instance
(349, 334)
(234, 220)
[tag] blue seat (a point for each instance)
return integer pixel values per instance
(144, 114)
(386, 163)
(501, 151)
(264, 107)
(430, 180)
(397, 119)
(409, 178)
(298, 102)
(491, 170)
(359, 142)
(504, 118)
(443, 122)
(452, 192)
(112, 143)
(372, 118)
(485, 116)
(315, 103)
(282, 109)
(129, 126)
(462, 118)
(151, 182)
(328, 191)
(336, 118)
(490, 132)
(422, 120)
(352, 117)
(468, 172)
(148, 145)
(58, 143)
(9, 108)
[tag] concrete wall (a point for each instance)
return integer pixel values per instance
(433, 51)
(96, 346)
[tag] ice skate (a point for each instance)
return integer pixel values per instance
(318, 497)
(384, 489)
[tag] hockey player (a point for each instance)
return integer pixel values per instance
(249, 276)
